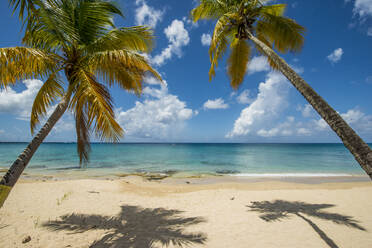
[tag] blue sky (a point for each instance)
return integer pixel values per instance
(335, 61)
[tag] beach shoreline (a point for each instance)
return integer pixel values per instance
(197, 178)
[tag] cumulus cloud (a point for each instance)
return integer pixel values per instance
(218, 103)
(178, 37)
(153, 81)
(307, 110)
(146, 15)
(336, 55)
(363, 8)
(244, 97)
(282, 129)
(258, 64)
(270, 101)
(206, 39)
(19, 103)
(160, 116)
(358, 120)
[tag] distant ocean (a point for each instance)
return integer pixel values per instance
(235, 159)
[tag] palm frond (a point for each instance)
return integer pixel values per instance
(209, 9)
(237, 62)
(55, 20)
(92, 19)
(122, 67)
(18, 63)
(25, 7)
(219, 44)
(94, 109)
(82, 132)
(275, 9)
(138, 38)
(100, 111)
(48, 93)
(285, 34)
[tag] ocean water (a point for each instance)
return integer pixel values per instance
(236, 159)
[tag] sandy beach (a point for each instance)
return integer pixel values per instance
(133, 212)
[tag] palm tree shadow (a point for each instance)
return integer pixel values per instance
(134, 227)
(279, 209)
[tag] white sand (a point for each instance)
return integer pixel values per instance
(152, 214)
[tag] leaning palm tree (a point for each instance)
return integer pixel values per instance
(247, 23)
(78, 40)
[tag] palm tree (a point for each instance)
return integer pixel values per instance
(76, 38)
(247, 23)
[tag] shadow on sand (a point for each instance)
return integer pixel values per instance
(278, 210)
(134, 227)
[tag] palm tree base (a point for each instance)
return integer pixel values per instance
(4, 192)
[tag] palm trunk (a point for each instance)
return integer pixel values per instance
(15, 171)
(360, 150)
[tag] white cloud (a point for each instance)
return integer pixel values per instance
(270, 101)
(244, 97)
(336, 55)
(160, 116)
(178, 37)
(286, 128)
(303, 131)
(307, 110)
(190, 22)
(19, 103)
(353, 116)
(153, 81)
(218, 103)
(258, 64)
(358, 120)
(363, 8)
(320, 124)
(206, 39)
(146, 15)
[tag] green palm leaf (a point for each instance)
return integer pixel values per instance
(50, 91)
(94, 107)
(237, 63)
(19, 63)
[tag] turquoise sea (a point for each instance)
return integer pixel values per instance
(237, 159)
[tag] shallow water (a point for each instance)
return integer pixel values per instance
(238, 159)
